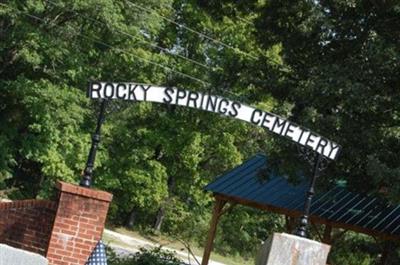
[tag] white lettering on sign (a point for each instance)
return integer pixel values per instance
(216, 104)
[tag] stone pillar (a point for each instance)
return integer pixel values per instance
(78, 225)
(285, 249)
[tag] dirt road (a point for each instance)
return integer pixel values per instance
(125, 245)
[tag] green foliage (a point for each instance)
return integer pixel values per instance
(331, 66)
(242, 231)
(155, 256)
(342, 60)
(43, 134)
(354, 249)
(150, 157)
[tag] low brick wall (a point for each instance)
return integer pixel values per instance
(27, 224)
(65, 231)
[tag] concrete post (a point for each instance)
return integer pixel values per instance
(285, 249)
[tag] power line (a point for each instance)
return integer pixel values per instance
(204, 83)
(237, 50)
(117, 49)
(169, 69)
(192, 30)
(248, 22)
(135, 37)
(286, 69)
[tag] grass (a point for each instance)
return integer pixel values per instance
(172, 244)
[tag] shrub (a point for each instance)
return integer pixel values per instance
(155, 256)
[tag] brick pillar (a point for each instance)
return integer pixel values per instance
(78, 225)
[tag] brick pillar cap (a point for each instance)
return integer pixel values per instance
(82, 191)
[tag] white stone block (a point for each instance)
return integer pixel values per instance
(15, 256)
(285, 249)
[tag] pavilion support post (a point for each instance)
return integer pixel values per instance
(218, 206)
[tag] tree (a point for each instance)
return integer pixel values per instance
(48, 50)
(343, 58)
(44, 136)
(155, 159)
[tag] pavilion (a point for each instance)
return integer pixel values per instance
(336, 208)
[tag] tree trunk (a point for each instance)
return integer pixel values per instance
(132, 219)
(387, 253)
(159, 218)
(290, 223)
(327, 238)
(161, 211)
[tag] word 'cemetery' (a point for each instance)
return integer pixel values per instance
(234, 109)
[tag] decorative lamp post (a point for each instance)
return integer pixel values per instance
(304, 219)
(86, 180)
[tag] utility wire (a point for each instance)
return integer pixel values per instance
(149, 10)
(248, 22)
(204, 83)
(169, 69)
(134, 37)
(236, 50)
(286, 69)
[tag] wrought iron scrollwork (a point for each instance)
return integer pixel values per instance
(309, 155)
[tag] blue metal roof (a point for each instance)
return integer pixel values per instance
(337, 207)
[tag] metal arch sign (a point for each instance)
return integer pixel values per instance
(216, 104)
